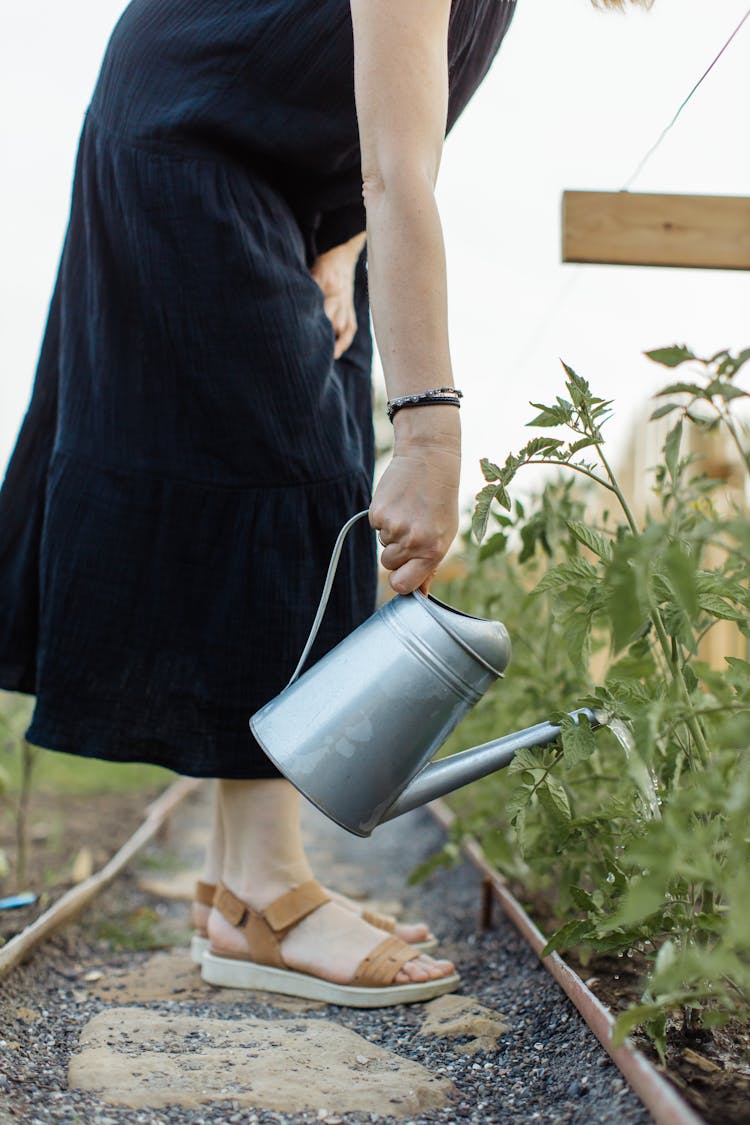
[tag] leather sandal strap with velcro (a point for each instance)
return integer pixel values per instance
(204, 893)
(264, 930)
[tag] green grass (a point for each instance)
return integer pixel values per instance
(140, 930)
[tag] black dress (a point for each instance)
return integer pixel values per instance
(191, 447)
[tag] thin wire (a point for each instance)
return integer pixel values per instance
(560, 299)
(664, 132)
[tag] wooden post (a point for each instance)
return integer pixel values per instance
(635, 229)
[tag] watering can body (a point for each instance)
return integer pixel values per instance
(353, 731)
(356, 732)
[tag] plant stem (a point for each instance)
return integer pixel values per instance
(661, 632)
(576, 469)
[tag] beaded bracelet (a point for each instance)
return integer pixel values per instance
(438, 395)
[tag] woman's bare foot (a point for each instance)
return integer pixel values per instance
(407, 931)
(329, 943)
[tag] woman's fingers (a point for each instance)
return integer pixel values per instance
(416, 574)
(340, 312)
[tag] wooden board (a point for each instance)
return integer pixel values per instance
(635, 229)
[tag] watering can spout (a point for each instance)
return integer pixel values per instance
(442, 777)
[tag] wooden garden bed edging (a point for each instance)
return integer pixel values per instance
(658, 1095)
(78, 897)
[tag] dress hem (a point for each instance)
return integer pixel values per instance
(38, 735)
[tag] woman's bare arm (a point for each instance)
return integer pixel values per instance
(401, 85)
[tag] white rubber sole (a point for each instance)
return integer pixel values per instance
(225, 972)
(199, 946)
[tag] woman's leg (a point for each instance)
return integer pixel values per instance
(213, 863)
(263, 859)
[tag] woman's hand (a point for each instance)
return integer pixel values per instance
(415, 506)
(334, 273)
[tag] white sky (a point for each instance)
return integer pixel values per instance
(574, 100)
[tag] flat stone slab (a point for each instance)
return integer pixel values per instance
(463, 1017)
(172, 975)
(146, 1060)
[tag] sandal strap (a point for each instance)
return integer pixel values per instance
(380, 921)
(264, 929)
(382, 965)
(290, 908)
(204, 893)
(233, 908)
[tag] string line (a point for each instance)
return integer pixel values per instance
(569, 283)
(664, 131)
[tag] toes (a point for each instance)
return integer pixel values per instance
(413, 932)
(424, 968)
(413, 972)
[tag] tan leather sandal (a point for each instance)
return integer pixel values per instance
(263, 967)
(204, 894)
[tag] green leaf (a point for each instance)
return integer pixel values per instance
(490, 470)
(582, 899)
(672, 449)
(542, 445)
(572, 933)
(666, 408)
(694, 389)
(582, 443)
(526, 759)
(572, 572)
(577, 741)
(591, 539)
(623, 601)
(518, 801)
(549, 416)
(577, 639)
(717, 607)
(681, 575)
(642, 899)
(671, 357)
(495, 545)
(483, 504)
(559, 795)
(633, 1017)
(725, 390)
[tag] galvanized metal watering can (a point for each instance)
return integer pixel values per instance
(356, 732)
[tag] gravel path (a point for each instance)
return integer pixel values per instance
(546, 1068)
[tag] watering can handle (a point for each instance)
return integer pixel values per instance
(333, 564)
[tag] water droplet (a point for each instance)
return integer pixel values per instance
(610, 877)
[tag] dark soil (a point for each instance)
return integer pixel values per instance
(710, 1068)
(59, 829)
